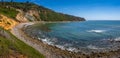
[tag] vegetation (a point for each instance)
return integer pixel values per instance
(45, 14)
(8, 12)
(10, 45)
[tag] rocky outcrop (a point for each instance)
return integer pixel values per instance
(7, 23)
(34, 14)
(31, 15)
(21, 16)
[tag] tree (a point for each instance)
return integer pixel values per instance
(27, 2)
(11, 1)
(2, 1)
(26, 6)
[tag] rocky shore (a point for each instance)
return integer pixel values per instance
(53, 52)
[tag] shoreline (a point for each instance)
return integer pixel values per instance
(55, 21)
(47, 50)
(52, 51)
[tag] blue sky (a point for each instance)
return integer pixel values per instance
(89, 9)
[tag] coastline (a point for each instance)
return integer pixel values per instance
(68, 21)
(52, 51)
(47, 50)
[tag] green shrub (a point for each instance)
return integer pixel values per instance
(8, 12)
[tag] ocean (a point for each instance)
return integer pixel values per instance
(86, 36)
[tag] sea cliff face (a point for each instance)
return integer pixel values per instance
(29, 16)
(14, 13)
(33, 12)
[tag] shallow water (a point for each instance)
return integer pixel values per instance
(79, 36)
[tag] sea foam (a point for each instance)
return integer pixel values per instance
(92, 47)
(117, 39)
(97, 31)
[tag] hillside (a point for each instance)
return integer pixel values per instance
(11, 47)
(33, 12)
(14, 13)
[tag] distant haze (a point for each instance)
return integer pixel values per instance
(89, 9)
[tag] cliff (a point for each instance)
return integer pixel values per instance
(33, 12)
(13, 13)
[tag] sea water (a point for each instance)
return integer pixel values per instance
(86, 36)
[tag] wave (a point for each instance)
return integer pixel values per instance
(117, 39)
(60, 46)
(96, 31)
(47, 41)
(92, 47)
(113, 39)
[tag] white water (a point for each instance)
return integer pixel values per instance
(97, 31)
